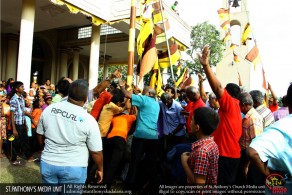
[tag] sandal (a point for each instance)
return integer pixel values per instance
(16, 163)
(33, 160)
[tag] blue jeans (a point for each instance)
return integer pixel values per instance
(52, 174)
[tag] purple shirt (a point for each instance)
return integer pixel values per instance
(44, 107)
(281, 113)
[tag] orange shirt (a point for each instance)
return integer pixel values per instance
(36, 114)
(229, 130)
(102, 100)
(121, 126)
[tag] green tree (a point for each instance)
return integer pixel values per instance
(201, 35)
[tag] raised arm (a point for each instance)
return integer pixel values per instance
(122, 87)
(201, 88)
(105, 83)
(239, 80)
(214, 82)
(273, 94)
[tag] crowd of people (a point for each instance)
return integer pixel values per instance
(118, 132)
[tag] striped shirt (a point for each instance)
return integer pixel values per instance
(267, 115)
(17, 106)
(204, 159)
(252, 126)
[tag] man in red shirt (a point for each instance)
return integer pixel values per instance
(229, 130)
(273, 103)
(195, 101)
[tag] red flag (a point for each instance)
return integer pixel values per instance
(252, 54)
(149, 56)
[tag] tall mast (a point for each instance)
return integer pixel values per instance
(131, 46)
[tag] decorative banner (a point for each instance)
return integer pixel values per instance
(149, 56)
(253, 56)
(246, 34)
(163, 58)
(235, 57)
(224, 15)
(155, 30)
(227, 37)
(182, 78)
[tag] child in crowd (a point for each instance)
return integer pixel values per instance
(2, 90)
(52, 90)
(36, 115)
(201, 165)
(48, 100)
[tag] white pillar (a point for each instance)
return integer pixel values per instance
(25, 43)
(94, 56)
(75, 63)
(63, 64)
(12, 46)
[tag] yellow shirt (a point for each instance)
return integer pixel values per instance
(106, 116)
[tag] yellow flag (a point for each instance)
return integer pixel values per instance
(146, 30)
(246, 34)
(174, 55)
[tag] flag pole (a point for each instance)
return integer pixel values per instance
(131, 45)
(168, 50)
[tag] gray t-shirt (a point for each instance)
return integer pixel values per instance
(69, 133)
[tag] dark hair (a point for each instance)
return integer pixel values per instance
(8, 82)
(171, 88)
(36, 103)
(63, 86)
(118, 96)
(207, 119)
(78, 90)
(165, 97)
(17, 84)
(233, 90)
(114, 85)
(289, 96)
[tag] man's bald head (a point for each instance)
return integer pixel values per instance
(149, 91)
(193, 93)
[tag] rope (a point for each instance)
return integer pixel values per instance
(105, 47)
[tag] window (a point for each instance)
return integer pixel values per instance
(85, 32)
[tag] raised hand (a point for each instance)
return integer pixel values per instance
(204, 56)
(116, 74)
